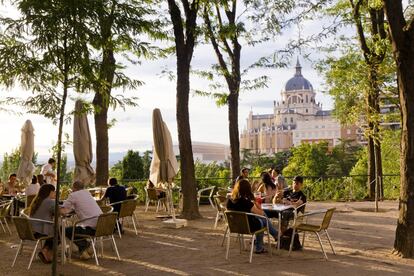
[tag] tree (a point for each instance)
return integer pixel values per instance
(43, 51)
(401, 28)
(114, 27)
(132, 166)
(185, 34)
(146, 163)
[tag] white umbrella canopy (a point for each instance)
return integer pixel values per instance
(164, 166)
(82, 146)
(26, 166)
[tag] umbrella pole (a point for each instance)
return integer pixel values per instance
(171, 202)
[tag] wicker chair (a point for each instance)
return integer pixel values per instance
(220, 209)
(238, 223)
(104, 228)
(25, 232)
(29, 200)
(4, 211)
(106, 209)
(304, 227)
(151, 196)
(127, 210)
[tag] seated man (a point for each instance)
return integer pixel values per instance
(291, 196)
(84, 205)
(115, 193)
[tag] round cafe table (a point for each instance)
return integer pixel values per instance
(276, 211)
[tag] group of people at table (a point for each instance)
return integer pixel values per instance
(247, 197)
(79, 202)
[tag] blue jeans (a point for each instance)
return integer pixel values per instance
(259, 237)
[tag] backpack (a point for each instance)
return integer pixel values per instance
(286, 238)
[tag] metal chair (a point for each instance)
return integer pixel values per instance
(238, 223)
(151, 196)
(4, 211)
(220, 209)
(29, 200)
(127, 210)
(315, 228)
(25, 232)
(206, 193)
(104, 228)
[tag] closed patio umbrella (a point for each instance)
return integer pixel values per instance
(82, 146)
(26, 166)
(164, 165)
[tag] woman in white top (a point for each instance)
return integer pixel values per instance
(33, 188)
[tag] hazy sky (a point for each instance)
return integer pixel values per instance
(132, 130)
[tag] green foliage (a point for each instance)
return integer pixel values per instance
(146, 163)
(390, 149)
(116, 170)
(10, 164)
(261, 162)
(309, 160)
(132, 166)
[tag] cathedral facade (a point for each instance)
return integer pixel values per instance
(296, 119)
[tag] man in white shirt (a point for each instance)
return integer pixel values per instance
(84, 205)
(48, 172)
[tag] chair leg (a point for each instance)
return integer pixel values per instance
(303, 239)
(102, 246)
(2, 226)
(320, 242)
(270, 245)
(251, 248)
(7, 226)
(228, 246)
(33, 254)
(291, 241)
(94, 251)
(146, 205)
(116, 248)
(18, 251)
(158, 206)
(133, 223)
(330, 242)
(217, 219)
(119, 229)
(211, 203)
(225, 234)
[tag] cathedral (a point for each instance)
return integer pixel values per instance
(296, 119)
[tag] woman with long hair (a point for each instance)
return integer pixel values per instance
(242, 200)
(42, 208)
(268, 187)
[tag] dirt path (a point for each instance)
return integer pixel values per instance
(362, 239)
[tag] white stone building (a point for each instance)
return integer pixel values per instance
(296, 119)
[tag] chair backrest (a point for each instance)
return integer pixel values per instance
(206, 192)
(222, 192)
(25, 212)
(24, 228)
(5, 209)
(102, 202)
(106, 224)
(327, 218)
(106, 209)
(29, 199)
(151, 193)
(219, 203)
(127, 208)
(238, 222)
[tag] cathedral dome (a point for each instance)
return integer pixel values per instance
(298, 82)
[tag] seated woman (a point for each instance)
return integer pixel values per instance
(242, 200)
(42, 207)
(33, 188)
(268, 187)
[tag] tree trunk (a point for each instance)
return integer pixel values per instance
(402, 36)
(102, 143)
(184, 47)
(371, 169)
(188, 181)
(101, 105)
(233, 102)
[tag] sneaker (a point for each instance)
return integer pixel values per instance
(85, 255)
